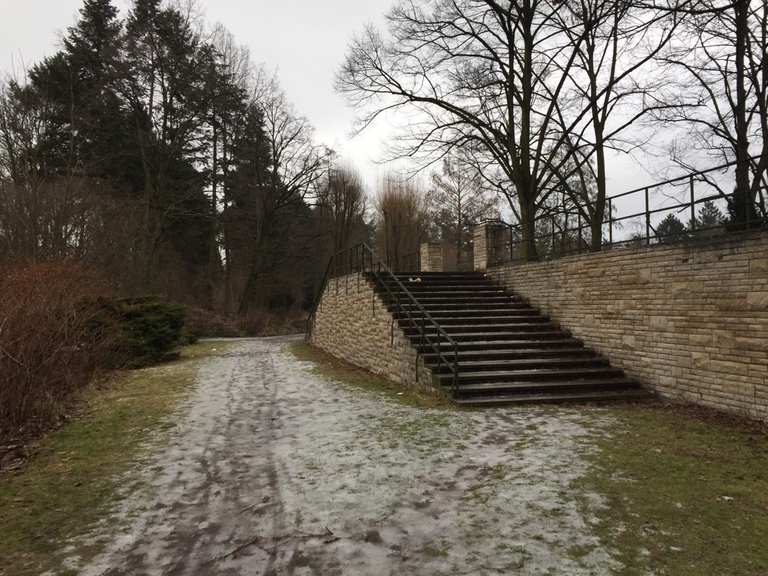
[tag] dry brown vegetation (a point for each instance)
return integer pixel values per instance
(50, 340)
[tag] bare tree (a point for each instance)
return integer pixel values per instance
(482, 73)
(459, 200)
(294, 170)
(722, 91)
(341, 205)
(401, 221)
(614, 83)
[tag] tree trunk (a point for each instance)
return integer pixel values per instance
(528, 222)
(743, 205)
(598, 213)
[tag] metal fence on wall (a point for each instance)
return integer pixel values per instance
(634, 217)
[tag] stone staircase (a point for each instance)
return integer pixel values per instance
(508, 352)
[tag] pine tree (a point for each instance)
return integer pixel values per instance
(81, 85)
(709, 215)
(671, 229)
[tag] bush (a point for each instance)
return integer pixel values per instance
(51, 340)
(148, 330)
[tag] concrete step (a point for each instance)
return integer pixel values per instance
(481, 313)
(525, 326)
(441, 275)
(514, 364)
(448, 307)
(441, 285)
(526, 387)
(405, 320)
(488, 337)
(501, 399)
(506, 353)
(503, 345)
(421, 296)
(534, 375)
(464, 300)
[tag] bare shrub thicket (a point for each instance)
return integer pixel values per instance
(264, 322)
(52, 338)
(401, 212)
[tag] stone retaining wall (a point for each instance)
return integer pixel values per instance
(352, 323)
(690, 320)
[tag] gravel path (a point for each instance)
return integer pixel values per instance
(274, 470)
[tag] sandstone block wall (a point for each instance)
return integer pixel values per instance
(352, 323)
(689, 320)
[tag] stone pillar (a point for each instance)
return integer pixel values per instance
(480, 246)
(431, 257)
(499, 251)
(438, 257)
(489, 244)
(450, 257)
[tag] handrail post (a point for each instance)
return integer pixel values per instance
(693, 205)
(554, 239)
(581, 240)
(647, 220)
(455, 368)
(610, 222)
(511, 242)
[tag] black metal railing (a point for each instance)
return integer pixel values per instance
(362, 260)
(565, 231)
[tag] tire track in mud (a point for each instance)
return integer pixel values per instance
(211, 499)
(278, 523)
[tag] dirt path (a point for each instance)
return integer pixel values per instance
(274, 470)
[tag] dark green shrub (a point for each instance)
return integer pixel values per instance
(671, 229)
(148, 330)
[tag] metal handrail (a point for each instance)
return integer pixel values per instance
(355, 259)
(610, 220)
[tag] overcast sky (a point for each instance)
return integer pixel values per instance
(303, 40)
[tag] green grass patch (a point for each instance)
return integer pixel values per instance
(335, 369)
(686, 492)
(72, 479)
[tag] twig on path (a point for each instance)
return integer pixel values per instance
(257, 507)
(330, 536)
(327, 536)
(236, 550)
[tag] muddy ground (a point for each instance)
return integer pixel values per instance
(275, 470)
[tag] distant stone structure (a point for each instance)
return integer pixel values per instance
(490, 243)
(438, 257)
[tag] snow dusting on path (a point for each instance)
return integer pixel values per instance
(275, 470)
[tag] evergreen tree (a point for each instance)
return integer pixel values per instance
(709, 215)
(81, 83)
(671, 229)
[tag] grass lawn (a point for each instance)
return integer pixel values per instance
(72, 479)
(686, 492)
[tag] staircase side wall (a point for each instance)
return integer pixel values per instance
(352, 323)
(690, 320)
